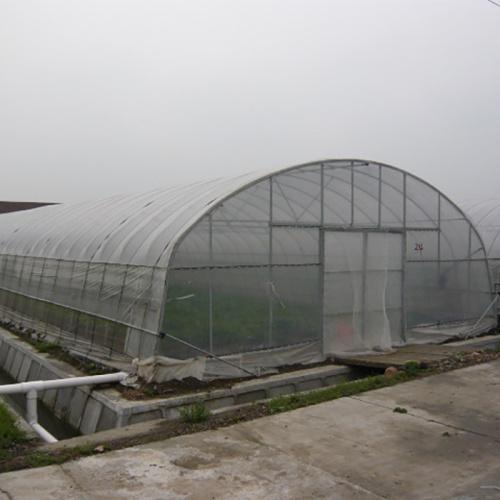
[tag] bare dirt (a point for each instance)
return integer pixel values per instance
(191, 385)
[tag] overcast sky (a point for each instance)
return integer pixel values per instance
(99, 97)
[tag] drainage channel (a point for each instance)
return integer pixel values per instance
(46, 419)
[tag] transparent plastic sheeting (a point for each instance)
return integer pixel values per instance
(485, 215)
(346, 255)
(357, 257)
(161, 368)
(94, 305)
(363, 291)
(135, 230)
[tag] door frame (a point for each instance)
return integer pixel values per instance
(354, 229)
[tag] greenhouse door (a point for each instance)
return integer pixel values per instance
(363, 283)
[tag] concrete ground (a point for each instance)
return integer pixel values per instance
(447, 446)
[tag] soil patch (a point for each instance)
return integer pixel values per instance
(191, 385)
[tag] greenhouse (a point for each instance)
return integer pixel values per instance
(335, 256)
(485, 215)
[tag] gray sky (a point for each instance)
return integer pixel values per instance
(99, 97)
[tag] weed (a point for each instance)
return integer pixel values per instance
(293, 401)
(411, 368)
(194, 413)
(98, 369)
(151, 392)
(10, 434)
(398, 409)
(48, 347)
(42, 459)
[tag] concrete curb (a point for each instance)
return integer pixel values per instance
(92, 411)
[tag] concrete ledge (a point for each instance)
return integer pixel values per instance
(241, 393)
(90, 411)
(486, 342)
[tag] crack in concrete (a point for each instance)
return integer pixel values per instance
(428, 419)
(78, 487)
(337, 479)
(7, 494)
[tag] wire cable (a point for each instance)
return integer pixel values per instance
(494, 3)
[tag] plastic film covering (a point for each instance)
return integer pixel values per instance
(363, 291)
(161, 368)
(105, 308)
(342, 255)
(355, 255)
(94, 273)
(138, 230)
(485, 215)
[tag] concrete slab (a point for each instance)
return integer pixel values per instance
(422, 353)
(25, 369)
(392, 455)
(465, 399)
(446, 446)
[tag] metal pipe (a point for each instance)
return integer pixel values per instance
(212, 355)
(482, 317)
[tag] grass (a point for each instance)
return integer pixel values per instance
(411, 368)
(398, 409)
(195, 413)
(10, 434)
(409, 371)
(47, 347)
(42, 459)
(294, 401)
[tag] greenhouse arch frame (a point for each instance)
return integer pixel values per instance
(485, 215)
(327, 257)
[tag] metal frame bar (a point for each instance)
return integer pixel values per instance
(321, 284)
(340, 227)
(403, 285)
(270, 260)
(210, 285)
(379, 195)
(363, 284)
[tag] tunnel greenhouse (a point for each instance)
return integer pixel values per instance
(329, 257)
(485, 215)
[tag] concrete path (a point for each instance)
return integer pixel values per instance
(447, 446)
(422, 353)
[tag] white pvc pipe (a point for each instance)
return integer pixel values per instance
(43, 433)
(43, 385)
(31, 407)
(31, 389)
